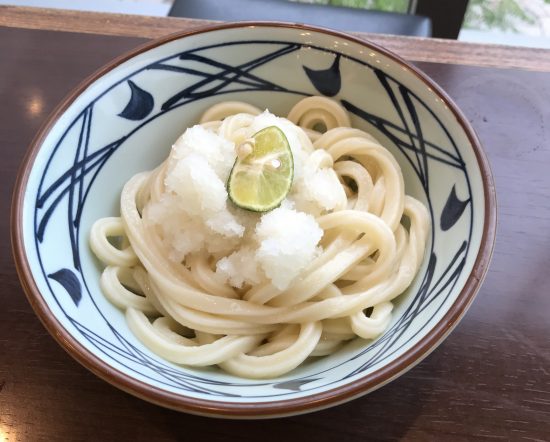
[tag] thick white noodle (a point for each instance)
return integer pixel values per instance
(187, 315)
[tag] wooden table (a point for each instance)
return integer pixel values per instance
(489, 380)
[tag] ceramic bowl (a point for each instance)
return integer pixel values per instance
(124, 118)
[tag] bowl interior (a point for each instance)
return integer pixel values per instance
(125, 121)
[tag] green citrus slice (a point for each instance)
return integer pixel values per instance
(262, 174)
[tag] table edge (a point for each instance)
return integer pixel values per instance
(418, 49)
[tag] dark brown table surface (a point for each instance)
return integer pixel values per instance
(490, 379)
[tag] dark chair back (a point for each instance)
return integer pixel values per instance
(446, 16)
(345, 19)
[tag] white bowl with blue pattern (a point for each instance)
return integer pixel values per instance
(124, 119)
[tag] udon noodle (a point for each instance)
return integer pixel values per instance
(372, 246)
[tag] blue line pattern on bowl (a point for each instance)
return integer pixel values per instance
(74, 185)
(140, 105)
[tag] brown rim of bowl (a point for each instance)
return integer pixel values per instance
(256, 409)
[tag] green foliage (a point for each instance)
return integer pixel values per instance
(503, 15)
(382, 5)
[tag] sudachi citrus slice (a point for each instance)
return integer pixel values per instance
(262, 174)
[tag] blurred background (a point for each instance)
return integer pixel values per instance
(512, 22)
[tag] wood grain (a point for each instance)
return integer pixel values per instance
(490, 379)
(410, 48)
